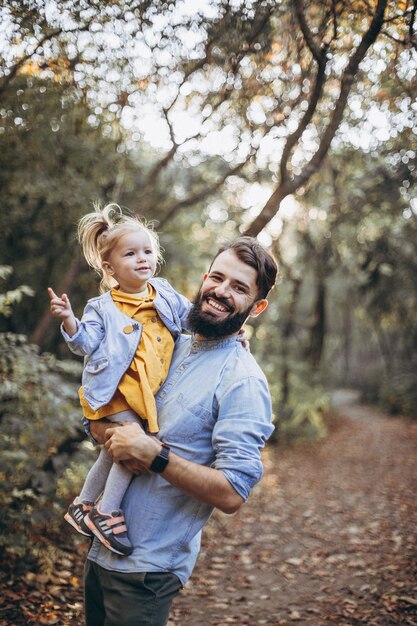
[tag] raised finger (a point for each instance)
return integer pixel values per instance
(51, 293)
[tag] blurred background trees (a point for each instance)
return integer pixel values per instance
(292, 121)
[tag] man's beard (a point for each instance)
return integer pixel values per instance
(208, 326)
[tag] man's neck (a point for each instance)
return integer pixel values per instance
(202, 338)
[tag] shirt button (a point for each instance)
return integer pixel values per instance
(158, 339)
(162, 361)
(153, 319)
(182, 368)
(195, 345)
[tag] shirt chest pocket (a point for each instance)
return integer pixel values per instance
(192, 421)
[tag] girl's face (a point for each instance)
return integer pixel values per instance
(132, 261)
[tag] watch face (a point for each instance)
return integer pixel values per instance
(161, 461)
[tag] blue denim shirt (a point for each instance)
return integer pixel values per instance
(107, 349)
(214, 409)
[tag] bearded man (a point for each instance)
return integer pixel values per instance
(214, 414)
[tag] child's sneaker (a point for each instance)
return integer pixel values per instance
(76, 514)
(111, 529)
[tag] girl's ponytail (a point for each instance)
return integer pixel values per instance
(90, 228)
(93, 229)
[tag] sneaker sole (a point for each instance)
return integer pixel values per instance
(74, 524)
(103, 539)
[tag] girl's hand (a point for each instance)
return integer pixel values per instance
(244, 340)
(61, 308)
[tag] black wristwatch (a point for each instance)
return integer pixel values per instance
(161, 460)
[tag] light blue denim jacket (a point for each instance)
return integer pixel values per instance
(107, 349)
(214, 409)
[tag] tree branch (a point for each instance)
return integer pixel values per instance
(320, 55)
(200, 195)
(286, 187)
(16, 67)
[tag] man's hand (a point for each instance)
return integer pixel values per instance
(61, 308)
(132, 446)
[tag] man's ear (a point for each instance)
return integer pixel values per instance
(106, 267)
(258, 307)
(205, 277)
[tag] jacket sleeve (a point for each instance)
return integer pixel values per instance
(184, 306)
(179, 303)
(90, 332)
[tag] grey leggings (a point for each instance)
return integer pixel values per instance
(107, 477)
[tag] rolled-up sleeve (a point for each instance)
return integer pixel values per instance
(243, 425)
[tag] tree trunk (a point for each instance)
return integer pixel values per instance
(347, 342)
(287, 333)
(318, 328)
(41, 329)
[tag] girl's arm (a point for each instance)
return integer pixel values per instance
(61, 308)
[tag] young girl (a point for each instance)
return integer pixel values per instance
(127, 337)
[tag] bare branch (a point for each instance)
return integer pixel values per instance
(200, 195)
(320, 55)
(16, 67)
(315, 50)
(286, 187)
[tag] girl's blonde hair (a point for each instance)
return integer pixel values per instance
(100, 230)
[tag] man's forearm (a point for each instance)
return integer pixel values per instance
(131, 445)
(206, 484)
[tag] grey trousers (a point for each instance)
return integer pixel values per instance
(121, 599)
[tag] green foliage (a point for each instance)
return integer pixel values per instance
(53, 165)
(8, 299)
(40, 432)
(304, 415)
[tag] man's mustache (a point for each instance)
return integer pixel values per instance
(222, 301)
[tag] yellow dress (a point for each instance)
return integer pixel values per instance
(149, 367)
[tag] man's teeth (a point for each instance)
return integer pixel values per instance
(217, 306)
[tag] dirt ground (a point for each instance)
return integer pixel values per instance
(327, 538)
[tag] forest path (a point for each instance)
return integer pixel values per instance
(327, 537)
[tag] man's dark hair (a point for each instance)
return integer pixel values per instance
(249, 251)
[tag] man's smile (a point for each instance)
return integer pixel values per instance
(215, 304)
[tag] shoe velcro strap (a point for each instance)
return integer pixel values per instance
(116, 520)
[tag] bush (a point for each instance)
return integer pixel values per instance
(304, 415)
(41, 433)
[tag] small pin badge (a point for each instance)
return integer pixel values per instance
(129, 329)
